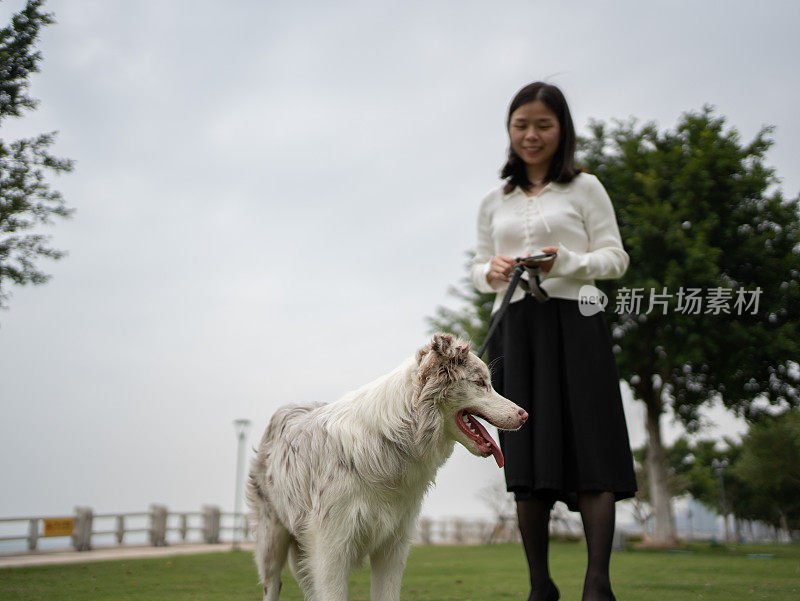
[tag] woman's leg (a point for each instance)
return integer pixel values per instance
(598, 513)
(534, 525)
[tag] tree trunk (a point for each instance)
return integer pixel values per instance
(785, 527)
(664, 530)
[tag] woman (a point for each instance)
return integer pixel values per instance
(547, 356)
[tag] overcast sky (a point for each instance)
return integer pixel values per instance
(271, 197)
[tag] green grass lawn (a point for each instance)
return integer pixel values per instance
(457, 573)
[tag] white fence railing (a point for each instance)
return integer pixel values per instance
(457, 531)
(84, 526)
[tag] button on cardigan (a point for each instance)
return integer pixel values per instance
(577, 217)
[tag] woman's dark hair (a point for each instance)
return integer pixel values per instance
(562, 167)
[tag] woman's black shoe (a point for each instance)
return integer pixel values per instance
(550, 593)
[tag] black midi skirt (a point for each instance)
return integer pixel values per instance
(559, 366)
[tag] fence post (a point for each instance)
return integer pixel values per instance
(82, 533)
(158, 525)
(458, 530)
(33, 533)
(211, 519)
(245, 527)
(120, 529)
(184, 527)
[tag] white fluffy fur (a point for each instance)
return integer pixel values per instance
(333, 484)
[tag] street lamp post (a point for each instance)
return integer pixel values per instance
(241, 426)
(719, 469)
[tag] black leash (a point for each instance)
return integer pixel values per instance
(531, 287)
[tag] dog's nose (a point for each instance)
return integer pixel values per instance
(523, 415)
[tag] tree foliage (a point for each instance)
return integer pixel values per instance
(769, 466)
(26, 198)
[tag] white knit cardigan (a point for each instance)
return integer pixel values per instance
(576, 217)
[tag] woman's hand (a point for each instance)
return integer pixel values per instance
(548, 265)
(502, 266)
(499, 269)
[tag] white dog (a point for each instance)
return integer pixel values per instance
(332, 484)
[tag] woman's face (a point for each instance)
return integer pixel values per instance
(535, 133)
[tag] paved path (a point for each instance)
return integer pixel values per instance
(107, 553)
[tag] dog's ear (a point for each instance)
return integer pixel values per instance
(437, 363)
(447, 348)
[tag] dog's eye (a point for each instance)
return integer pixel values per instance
(480, 383)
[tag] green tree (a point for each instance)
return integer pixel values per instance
(762, 476)
(26, 199)
(698, 209)
(770, 465)
(693, 464)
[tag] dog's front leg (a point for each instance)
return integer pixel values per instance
(330, 568)
(387, 564)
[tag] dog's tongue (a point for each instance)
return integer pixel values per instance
(498, 454)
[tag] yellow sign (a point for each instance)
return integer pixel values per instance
(58, 526)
